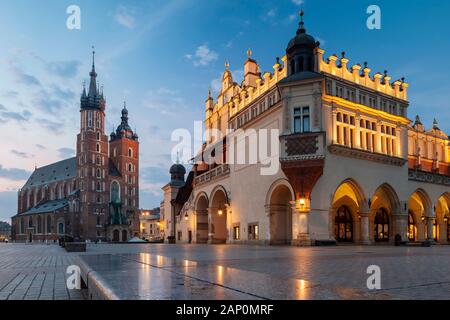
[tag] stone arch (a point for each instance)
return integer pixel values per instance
(49, 224)
(442, 211)
(420, 207)
(201, 212)
(348, 202)
(124, 235)
(116, 235)
(218, 203)
(383, 206)
(279, 201)
(115, 191)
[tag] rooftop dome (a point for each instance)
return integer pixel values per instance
(177, 169)
(302, 38)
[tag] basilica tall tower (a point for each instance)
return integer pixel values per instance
(92, 161)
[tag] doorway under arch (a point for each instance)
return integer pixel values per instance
(218, 231)
(201, 211)
(280, 214)
(382, 225)
(116, 236)
(347, 203)
(412, 227)
(343, 225)
(124, 236)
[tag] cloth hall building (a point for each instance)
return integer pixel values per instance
(92, 196)
(353, 167)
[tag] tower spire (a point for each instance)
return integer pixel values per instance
(301, 25)
(93, 83)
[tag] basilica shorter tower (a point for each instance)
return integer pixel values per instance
(92, 196)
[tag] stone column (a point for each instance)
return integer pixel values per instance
(430, 222)
(365, 223)
(401, 226)
(229, 224)
(377, 147)
(334, 124)
(300, 223)
(210, 227)
(358, 132)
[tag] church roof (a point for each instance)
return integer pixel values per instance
(49, 206)
(58, 171)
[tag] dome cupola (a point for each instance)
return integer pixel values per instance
(301, 50)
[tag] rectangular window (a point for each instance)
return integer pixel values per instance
(90, 119)
(297, 120)
(306, 127)
(253, 231)
(301, 120)
(236, 233)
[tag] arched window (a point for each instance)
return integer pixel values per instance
(98, 136)
(98, 147)
(99, 174)
(98, 187)
(22, 226)
(39, 224)
(343, 225)
(310, 64)
(49, 224)
(381, 225)
(130, 167)
(292, 67)
(412, 229)
(30, 222)
(130, 152)
(115, 192)
(60, 228)
(301, 64)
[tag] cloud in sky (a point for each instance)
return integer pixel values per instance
(203, 56)
(22, 154)
(22, 116)
(10, 94)
(298, 2)
(65, 153)
(125, 17)
(66, 69)
(14, 174)
(24, 78)
(51, 126)
(40, 147)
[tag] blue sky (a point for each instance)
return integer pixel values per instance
(161, 57)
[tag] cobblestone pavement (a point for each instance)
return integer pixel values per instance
(38, 271)
(35, 272)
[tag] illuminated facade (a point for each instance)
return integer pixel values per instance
(352, 167)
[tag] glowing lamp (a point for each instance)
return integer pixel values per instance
(446, 219)
(220, 212)
(302, 201)
(186, 217)
(423, 218)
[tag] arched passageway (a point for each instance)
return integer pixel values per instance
(201, 211)
(385, 216)
(280, 215)
(442, 224)
(218, 224)
(419, 208)
(346, 208)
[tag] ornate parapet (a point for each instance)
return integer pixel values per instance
(428, 177)
(219, 172)
(361, 75)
